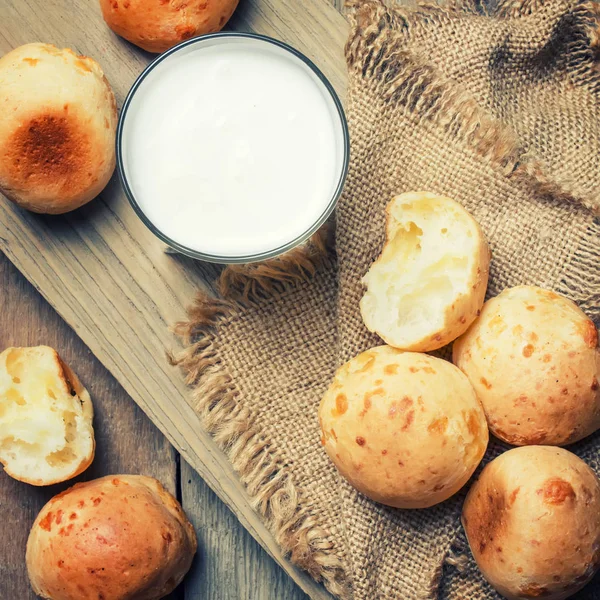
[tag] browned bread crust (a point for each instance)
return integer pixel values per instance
(159, 25)
(117, 537)
(533, 523)
(57, 128)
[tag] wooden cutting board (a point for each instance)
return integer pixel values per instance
(106, 274)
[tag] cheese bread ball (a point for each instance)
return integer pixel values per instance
(158, 25)
(404, 428)
(58, 119)
(117, 537)
(429, 283)
(533, 359)
(533, 523)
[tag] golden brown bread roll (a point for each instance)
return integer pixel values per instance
(159, 25)
(533, 523)
(118, 537)
(46, 433)
(429, 283)
(405, 429)
(533, 359)
(57, 128)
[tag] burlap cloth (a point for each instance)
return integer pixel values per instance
(497, 107)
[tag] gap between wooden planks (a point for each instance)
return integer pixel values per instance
(107, 275)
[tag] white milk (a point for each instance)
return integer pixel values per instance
(233, 147)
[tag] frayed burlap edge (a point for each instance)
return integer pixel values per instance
(251, 282)
(374, 52)
(260, 466)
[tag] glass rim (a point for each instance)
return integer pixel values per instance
(254, 257)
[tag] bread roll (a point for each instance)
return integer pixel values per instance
(157, 26)
(46, 433)
(121, 536)
(405, 429)
(429, 283)
(57, 128)
(533, 359)
(533, 523)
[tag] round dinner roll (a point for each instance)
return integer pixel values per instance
(58, 119)
(157, 26)
(429, 283)
(118, 537)
(533, 359)
(405, 429)
(533, 523)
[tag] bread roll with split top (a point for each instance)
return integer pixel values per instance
(46, 433)
(429, 283)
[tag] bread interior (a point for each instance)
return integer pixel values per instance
(425, 265)
(45, 417)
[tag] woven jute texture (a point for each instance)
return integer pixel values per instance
(495, 106)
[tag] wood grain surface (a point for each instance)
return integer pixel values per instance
(126, 440)
(230, 564)
(109, 278)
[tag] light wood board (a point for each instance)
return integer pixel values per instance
(106, 274)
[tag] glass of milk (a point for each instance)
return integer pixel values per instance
(232, 147)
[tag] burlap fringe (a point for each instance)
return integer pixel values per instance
(375, 52)
(260, 467)
(251, 282)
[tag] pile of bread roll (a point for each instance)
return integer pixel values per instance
(121, 536)
(408, 429)
(405, 428)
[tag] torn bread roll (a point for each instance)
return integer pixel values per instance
(404, 428)
(533, 359)
(46, 433)
(57, 128)
(429, 283)
(117, 537)
(532, 520)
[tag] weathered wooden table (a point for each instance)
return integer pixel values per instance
(230, 563)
